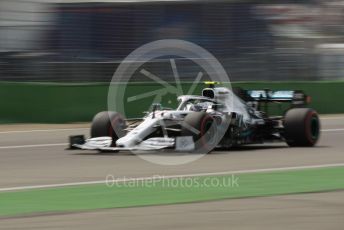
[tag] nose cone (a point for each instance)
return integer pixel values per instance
(126, 141)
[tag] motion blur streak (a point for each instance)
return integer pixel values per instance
(85, 40)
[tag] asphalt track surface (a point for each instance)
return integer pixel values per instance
(36, 155)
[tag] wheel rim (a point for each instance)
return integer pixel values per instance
(208, 133)
(314, 127)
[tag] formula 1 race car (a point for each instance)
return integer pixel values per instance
(219, 118)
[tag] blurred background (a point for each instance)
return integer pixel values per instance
(79, 41)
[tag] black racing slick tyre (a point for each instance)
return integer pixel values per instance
(110, 124)
(301, 127)
(202, 127)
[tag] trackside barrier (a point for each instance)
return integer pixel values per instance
(63, 103)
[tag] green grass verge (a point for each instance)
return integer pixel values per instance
(81, 198)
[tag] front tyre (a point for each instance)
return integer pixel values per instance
(301, 127)
(110, 124)
(202, 127)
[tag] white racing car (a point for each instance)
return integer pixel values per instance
(219, 118)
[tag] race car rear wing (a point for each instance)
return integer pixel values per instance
(296, 97)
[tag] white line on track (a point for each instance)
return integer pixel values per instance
(171, 177)
(332, 118)
(32, 146)
(65, 144)
(41, 130)
(332, 130)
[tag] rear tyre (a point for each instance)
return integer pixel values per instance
(302, 127)
(202, 127)
(110, 124)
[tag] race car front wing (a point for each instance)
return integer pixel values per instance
(181, 143)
